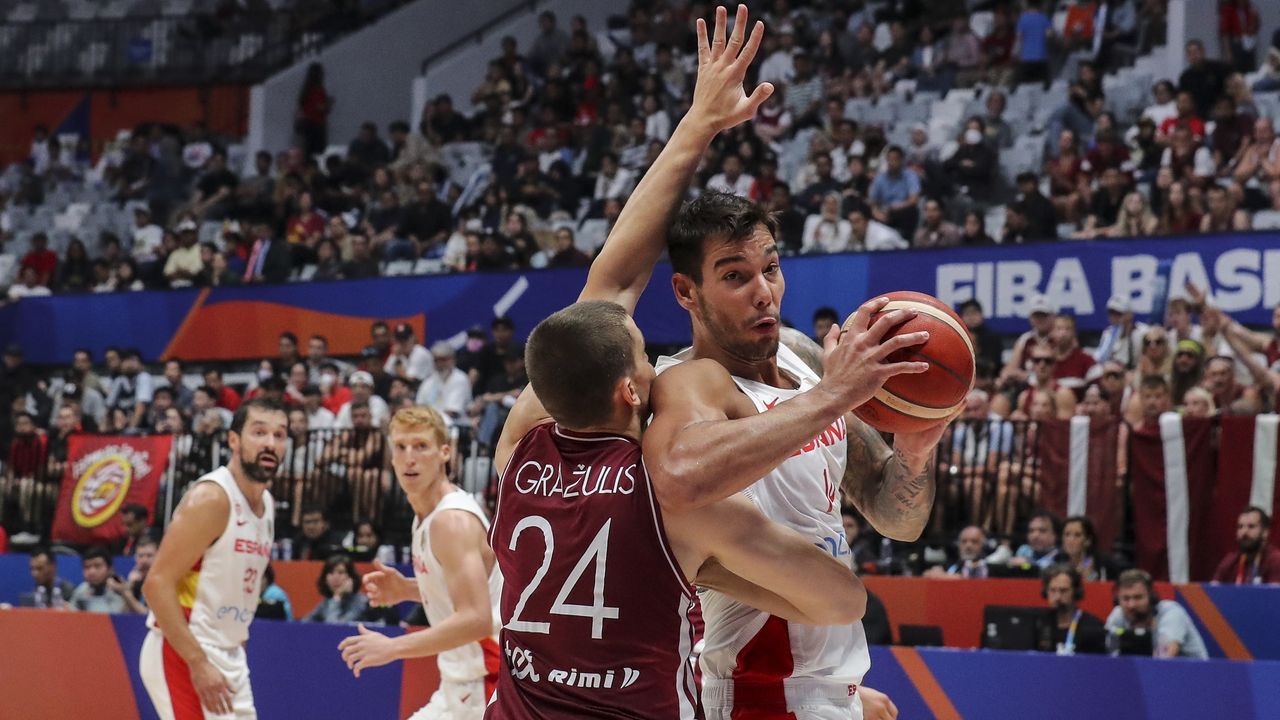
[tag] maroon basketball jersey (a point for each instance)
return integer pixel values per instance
(595, 610)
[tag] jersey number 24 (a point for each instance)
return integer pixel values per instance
(598, 551)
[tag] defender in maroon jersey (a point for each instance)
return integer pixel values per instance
(597, 581)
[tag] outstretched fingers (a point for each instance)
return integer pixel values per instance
(718, 39)
(748, 53)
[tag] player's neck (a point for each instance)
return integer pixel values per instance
(425, 501)
(764, 371)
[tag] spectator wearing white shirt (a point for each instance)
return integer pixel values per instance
(361, 384)
(826, 231)
(28, 285)
(731, 179)
(869, 234)
(613, 181)
(148, 238)
(407, 358)
(318, 416)
(778, 67)
(448, 389)
(657, 123)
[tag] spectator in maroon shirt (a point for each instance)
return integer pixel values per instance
(1073, 363)
(225, 397)
(1256, 562)
(41, 259)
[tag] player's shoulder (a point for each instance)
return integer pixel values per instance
(207, 492)
(453, 525)
(694, 374)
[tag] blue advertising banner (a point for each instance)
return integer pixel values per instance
(1241, 271)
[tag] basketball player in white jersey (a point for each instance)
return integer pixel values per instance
(454, 577)
(204, 586)
(737, 413)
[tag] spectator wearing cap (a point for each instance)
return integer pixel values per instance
(407, 358)
(184, 264)
(1040, 315)
(361, 384)
(40, 259)
(1122, 340)
(1188, 370)
(447, 388)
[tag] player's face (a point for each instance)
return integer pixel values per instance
(96, 571)
(1249, 532)
(1060, 593)
(260, 444)
(740, 297)
(418, 458)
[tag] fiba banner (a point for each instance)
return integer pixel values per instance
(1240, 271)
(104, 473)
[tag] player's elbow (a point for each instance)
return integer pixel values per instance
(673, 487)
(844, 604)
(152, 586)
(905, 531)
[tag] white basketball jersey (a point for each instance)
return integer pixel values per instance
(474, 660)
(219, 594)
(746, 645)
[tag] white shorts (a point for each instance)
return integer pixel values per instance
(817, 701)
(168, 681)
(455, 701)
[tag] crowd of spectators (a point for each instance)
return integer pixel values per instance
(845, 151)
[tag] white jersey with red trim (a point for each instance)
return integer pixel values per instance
(219, 594)
(472, 661)
(753, 659)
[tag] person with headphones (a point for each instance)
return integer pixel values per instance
(1069, 629)
(1139, 607)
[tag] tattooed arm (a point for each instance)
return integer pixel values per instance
(893, 492)
(893, 489)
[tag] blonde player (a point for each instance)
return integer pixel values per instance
(203, 588)
(454, 577)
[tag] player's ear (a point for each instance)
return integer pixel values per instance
(446, 452)
(629, 392)
(684, 288)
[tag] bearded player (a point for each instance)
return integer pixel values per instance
(455, 577)
(738, 414)
(204, 585)
(597, 594)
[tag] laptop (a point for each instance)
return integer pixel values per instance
(1012, 627)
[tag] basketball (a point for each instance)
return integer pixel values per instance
(912, 402)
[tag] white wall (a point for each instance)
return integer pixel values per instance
(370, 74)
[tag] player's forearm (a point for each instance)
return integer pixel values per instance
(711, 460)
(162, 597)
(460, 628)
(893, 491)
(622, 269)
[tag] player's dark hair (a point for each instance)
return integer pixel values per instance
(713, 216)
(575, 357)
(261, 404)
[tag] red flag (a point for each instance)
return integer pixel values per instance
(105, 472)
(1089, 460)
(1191, 444)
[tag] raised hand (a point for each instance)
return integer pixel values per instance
(719, 98)
(368, 649)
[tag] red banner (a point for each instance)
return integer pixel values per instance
(104, 473)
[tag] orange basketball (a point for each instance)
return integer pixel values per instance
(908, 403)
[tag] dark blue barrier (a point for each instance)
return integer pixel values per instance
(1243, 271)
